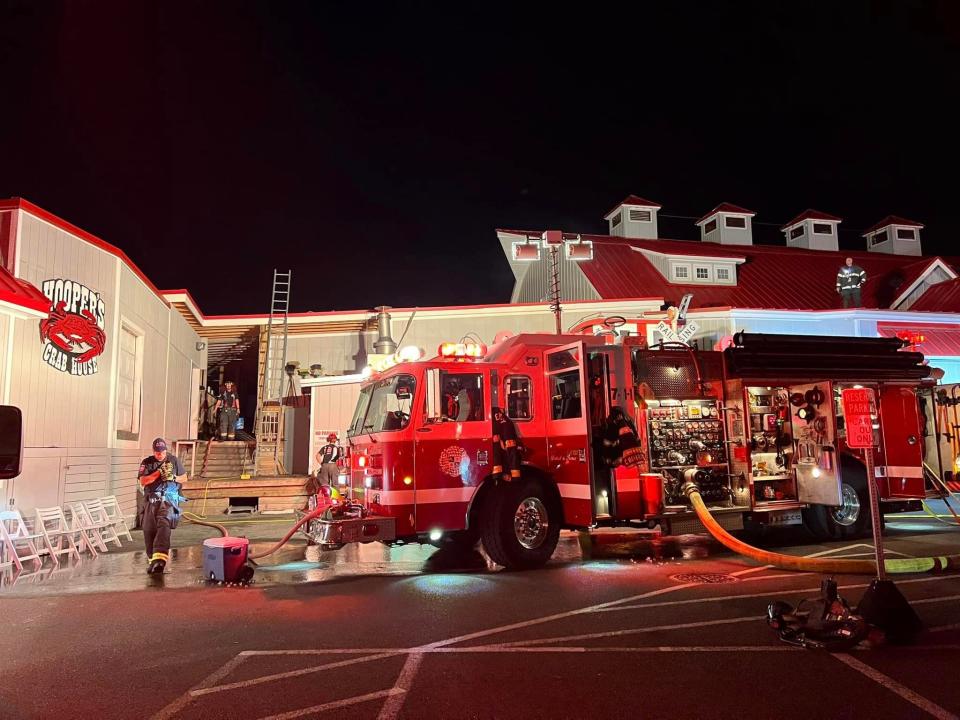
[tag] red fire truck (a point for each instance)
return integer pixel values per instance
(758, 427)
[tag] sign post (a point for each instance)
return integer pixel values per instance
(882, 605)
(859, 410)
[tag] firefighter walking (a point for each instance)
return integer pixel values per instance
(229, 406)
(158, 472)
(850, 279)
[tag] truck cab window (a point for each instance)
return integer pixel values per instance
(462, 396)
(389, 405)
(565, 395)
(518, 397)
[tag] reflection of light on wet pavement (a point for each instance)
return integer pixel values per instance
(450, 585)
(295, 566)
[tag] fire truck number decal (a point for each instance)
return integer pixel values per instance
(453, 461)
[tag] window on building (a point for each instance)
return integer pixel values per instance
(878, 238)
(796, 232)
(906, 234)
(681, 272)
(640, 215)
(129, 383)
(462, 396)
(735, 222)
(616, 219)
(723, 273)
(823, 228)
(518, 397)
(710, 227)
(702, 273)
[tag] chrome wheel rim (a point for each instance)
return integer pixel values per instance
(530, 523)
(848, 512)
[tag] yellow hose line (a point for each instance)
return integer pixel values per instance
(819, 564)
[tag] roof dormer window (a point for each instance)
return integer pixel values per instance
(616, 220)
(906, 234)
(732, 221)
(710, 226)
(681, 272)
(879, 238)
(702, 272)
(823, 228)
(723, 274)
(796, 232)
(640, 215)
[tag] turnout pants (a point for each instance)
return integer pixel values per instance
(851, 298)
(156, 530)
(327, 474)
(228, 423)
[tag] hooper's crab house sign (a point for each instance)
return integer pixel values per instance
(72, 335)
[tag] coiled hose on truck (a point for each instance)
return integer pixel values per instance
(313, 515)
(820, 564)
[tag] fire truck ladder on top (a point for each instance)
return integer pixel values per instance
(273, 344)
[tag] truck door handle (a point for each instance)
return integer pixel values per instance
(423, 429)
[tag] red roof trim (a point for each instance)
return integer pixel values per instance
(56, 221)
(811, 215)
(21, 293)
(633, 200)
(726, 208)
(891, 220)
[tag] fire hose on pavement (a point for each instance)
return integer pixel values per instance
(224, 532)
(809, 564)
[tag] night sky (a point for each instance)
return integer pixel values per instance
(375, 149)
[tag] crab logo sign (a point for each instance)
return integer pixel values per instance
(72, 335)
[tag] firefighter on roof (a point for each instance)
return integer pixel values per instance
(161, 476)
(850, 278)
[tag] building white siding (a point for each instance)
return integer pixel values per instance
(72, 449)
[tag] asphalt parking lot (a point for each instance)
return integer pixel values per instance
(400, 634)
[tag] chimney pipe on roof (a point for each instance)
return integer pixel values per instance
(384, 344)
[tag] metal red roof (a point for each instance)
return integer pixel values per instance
(942, 297)
(768, 276)
(22, 293)
(892, 220)
(940, 339)
(726, 208)
(634, 200)
(812, 215)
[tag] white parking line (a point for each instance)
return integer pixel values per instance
(391, 708)
(893, 686)
(333, 705)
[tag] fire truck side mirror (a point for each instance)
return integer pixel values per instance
(11, 442)
(434, 412)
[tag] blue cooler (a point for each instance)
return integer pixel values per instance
(225, 559)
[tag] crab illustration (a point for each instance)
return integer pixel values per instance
(72, 333)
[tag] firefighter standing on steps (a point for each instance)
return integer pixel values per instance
(229, 406)
(328, 456)
(157, 471)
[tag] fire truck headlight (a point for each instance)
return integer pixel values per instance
(436, 534)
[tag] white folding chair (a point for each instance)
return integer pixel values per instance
(53, 525)
(90, 535)
(111, 508)
(104, 525)
(15, 539)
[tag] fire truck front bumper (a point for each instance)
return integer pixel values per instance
(334, 534)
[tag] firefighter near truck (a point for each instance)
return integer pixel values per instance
(510, 444)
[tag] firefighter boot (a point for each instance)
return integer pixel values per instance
(156, 567)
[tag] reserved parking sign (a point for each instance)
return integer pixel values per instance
(858, 410)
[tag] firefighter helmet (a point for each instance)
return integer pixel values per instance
(332, 437)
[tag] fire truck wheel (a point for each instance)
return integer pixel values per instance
(521, 525)
(851, 518)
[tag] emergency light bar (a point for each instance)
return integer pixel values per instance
(462, 351)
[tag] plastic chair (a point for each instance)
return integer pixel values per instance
(111, 508)
(52, 524)
(104, 525)
(13, 532)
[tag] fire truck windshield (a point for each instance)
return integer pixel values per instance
(384, 405)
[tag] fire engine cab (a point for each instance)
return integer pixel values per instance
(607, 430)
